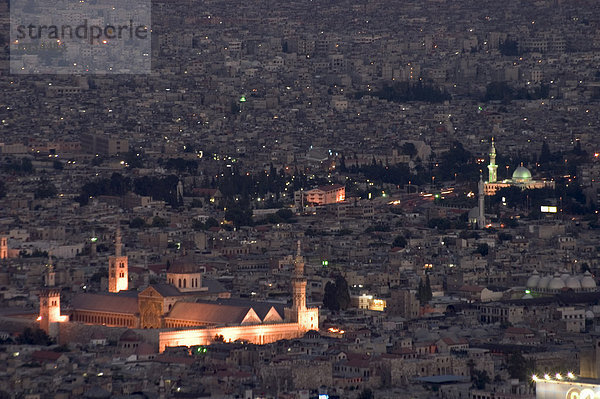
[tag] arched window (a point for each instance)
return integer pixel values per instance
(184, 282)
(179, 283)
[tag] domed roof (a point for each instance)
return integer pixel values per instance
(556, 283)
(521, 174)
(573, 283)
(527, 296)
(544, 281)
(589, 314)
(184, 265)
(130, 336)
(588, 281)
(474, 213)
(565, 276)
(533, 280)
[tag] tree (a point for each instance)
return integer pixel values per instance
(480, 378)
(239, 216)
(211, 222)
(366, 394)
(545, 154)
(137, 223)
(329, 299)
(342, 292)
(31, 336)
(424, 293)
(483, 249)
(409, 148)
(519, 367)
(45, 189)
(219, 338)
(509, 48)
(400, 242)
(157, 221)
(337, 296)
(58, 165)
(285, 214)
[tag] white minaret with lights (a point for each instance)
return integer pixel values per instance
(492, 167)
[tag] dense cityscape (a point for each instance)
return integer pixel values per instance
(312, 199)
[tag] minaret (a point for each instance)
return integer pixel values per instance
(299, 282)
(492, 167)
(50, 311)
(118, 275)
(50, 273)
(3, 248)
(305, 318)
(481, 215)
(298, 308)
(180, 192)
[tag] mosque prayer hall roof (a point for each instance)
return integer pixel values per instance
(122, 303)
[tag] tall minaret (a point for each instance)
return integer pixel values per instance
(481, 215)
(50, 273)
(305, 318)
(298, 308)
(492, 167)
(299, 282)
(118, 275)
(3, 248)
(180, 192)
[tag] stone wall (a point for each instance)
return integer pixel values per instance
(70, 332)
(255, 333)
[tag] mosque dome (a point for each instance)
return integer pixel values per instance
(533, 280)
(521, 174)
(544, 281)
(573, 283)
(527, 296)
(474, 213)
(556, 283)
(184, 265)
(565, 277)
(588, 281)
(589, 314)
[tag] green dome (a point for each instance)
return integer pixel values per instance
(521, 174)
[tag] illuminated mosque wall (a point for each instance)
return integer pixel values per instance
(164, 306)
(298, 320)
(256, 334)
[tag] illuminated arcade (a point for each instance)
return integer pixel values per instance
(586, 385)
